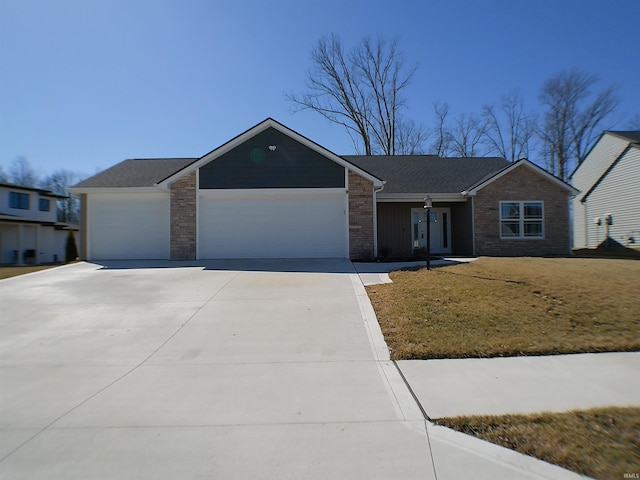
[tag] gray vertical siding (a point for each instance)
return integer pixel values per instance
(394, 228)
(271, 159)
(461, 228)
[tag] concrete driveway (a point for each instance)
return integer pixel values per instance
(235, 370)
(256, 369)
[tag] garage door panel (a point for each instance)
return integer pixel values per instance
(131, 226)
(301, 226)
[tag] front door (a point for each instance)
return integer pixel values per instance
(440, 229)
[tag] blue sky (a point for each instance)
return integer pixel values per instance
(85, 84)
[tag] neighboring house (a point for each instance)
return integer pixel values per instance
(271, 192)
(29, 227)
(609, 182)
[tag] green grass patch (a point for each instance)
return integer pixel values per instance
(511, 306)
(602, 443)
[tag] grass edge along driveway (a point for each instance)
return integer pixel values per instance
(601, 442)
(495, 307)
(9, 271)
(525, 306)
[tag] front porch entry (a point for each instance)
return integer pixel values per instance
(440, 232)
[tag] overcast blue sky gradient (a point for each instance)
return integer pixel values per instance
(85, 84)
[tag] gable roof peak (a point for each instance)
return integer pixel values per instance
(526, 163)
(253, 131)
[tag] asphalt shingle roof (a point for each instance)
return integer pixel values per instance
(427, 173)
(403, 174)
(140, 172)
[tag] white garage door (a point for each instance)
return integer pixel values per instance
(128, 226)
(247, 224)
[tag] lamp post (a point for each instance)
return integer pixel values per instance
(427, 206)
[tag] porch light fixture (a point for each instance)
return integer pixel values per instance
(427, 206)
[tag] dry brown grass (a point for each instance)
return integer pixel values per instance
(602, 443)
(7, 272)
(511, 306)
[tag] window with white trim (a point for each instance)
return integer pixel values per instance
(521, 220)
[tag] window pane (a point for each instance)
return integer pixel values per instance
(510, 229)
(510, 210)
(19, 200)
(533, 229)
(532, 210)
(44, 205)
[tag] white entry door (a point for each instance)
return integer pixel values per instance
(440, 229)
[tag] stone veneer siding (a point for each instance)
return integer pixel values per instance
(183, 218)
(361, 244)
(522, 184)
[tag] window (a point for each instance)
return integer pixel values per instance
(521, 220)
(19, 200)
(45, 205)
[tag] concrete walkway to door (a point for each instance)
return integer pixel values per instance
(233, 369)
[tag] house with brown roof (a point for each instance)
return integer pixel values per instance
(273, 193)
(608, 207)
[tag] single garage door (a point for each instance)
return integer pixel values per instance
(128, 226)
(277, 224)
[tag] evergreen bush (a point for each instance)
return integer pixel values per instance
(71, 249)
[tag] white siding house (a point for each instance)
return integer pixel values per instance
(29, 230)
(609, 182)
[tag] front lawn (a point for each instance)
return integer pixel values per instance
(14, 271)
(511, 306)
(602, 443)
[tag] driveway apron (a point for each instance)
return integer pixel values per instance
(229, 369)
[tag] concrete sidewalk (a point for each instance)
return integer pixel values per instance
(498, 386)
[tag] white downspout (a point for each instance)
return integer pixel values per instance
(375, 219)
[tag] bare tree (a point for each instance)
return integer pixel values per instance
(441, 145)
(465, 135)
(3, 176)
(22, 173)
(509, 129)
(573, 118)
(59, 182)
(410, 138)
(362, 91)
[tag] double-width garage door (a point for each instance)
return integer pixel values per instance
(249, 224)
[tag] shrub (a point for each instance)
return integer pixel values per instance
(70, 249)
